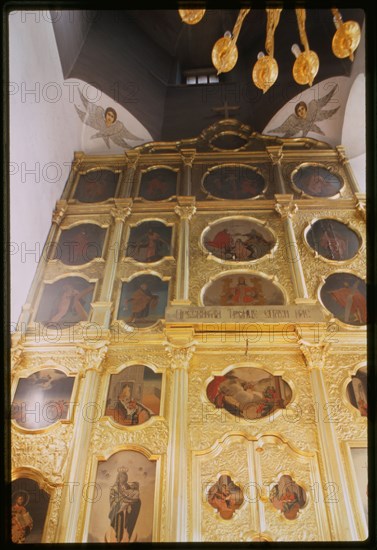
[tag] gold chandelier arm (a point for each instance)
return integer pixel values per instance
(238, 24)
(273, 16)
(301, 17)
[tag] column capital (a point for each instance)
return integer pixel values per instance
(185, 208)
(121, 211)
(132, 158)
(341, 154)
(94, 355)
(180, 356)
(361, 204)
(59, 212)
(188, 156)
(78, 157)
(315, 355)
(275, 152)
(285, 206)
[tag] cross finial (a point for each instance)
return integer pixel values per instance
(226, 109)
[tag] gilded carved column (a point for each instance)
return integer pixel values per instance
(87, 413)
(177, 466)
(188, 156)
(286, 208)
(185, 209)
(340, 510)
(47, 253)
(275, 152)
(102, 308)
(348, 169)
(127, 183)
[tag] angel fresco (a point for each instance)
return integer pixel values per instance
(106, 123)
(305, 117)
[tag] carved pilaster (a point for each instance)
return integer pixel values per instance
(286, 208)
(187, 156)
(127, 184)
(341, 515)
(185, 209)
(275, 152)
(177, 482)
(94, 355)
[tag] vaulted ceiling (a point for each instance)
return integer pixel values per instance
(139, 58)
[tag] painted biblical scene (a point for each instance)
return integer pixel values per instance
(149, 241)
(333, 240)
(225, 496)
(159, 184)
(357, 391)
(143, 300)
(96, 186)
(124, 513)
(29, 510)
(134, 395)
(238, 240)
(234, 182)
(249, 393)
(288, 497)
(317, 181)
(80, 245)
(65, 302)
(42, 399)
(344, 295)
(359, 457)
(242, 290)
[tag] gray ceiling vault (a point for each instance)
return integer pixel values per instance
(139, 57)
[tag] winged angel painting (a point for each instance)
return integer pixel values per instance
(106, 123)
(305, 117)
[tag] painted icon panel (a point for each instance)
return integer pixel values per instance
(357, 393)
(149, 241)
(249, 392)
(65, 302)
(96, 186)
(158, 184)
(238, 240)
(242, 290)
(225, 496)
(42, 399)
(333, 240)
(344, 294)
(143, 300)
(234, 182)
(134, 395)
(317, 181)
(29, 510)
(124, 513)
(288, 497)
(80, 245)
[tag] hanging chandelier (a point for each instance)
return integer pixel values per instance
(266, 70)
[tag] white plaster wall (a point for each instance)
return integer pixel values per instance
(44, 132)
